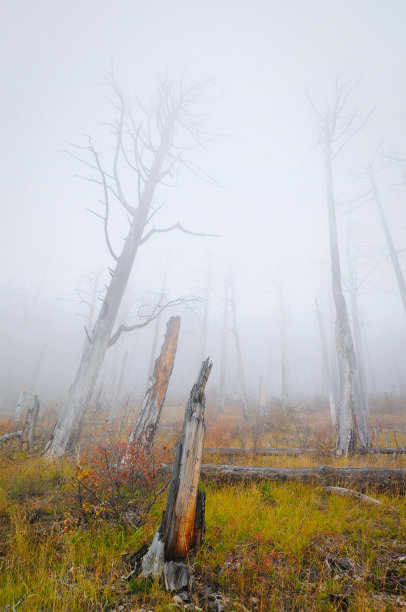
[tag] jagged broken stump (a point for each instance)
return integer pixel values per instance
(182, 526)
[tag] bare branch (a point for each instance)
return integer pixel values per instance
(158, 308)
(173, 227)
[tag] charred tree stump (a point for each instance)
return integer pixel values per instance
(182, 526)
(30, 423)
(146, 425)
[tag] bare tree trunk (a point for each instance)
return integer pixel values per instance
(117, 395)
(240, 366)
(156, 329)
(182, 527)
(20, 405)
(284, 363)
(352, 418)
(389, 241)
(336, 129)
(327, 368)
(224, 344)
(353, 291)
(206, 306)
(145, 427)
(262, 399)
(68, 427)
(30, 422)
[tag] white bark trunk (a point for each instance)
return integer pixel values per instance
(327, 368)
(68, 427)
(223, 360)
(240, 366)
(352, 418)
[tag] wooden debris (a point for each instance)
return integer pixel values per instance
(146, 425)
(182, 526)
(361, 478)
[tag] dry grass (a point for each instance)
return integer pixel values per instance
(269, 546)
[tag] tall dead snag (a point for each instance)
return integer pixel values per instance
(150, 147)
(182, 526)
(240, 366)
(327, 368)
(388, 236)
(145, 427)
(336, 128)
(262, 399)
(224, 345)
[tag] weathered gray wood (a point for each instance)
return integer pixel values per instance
(20, 405)
(182, 526)
(237, 452)
(360, 478)
(145, 427)
(10, 436)
(30, 421)
(350, 493)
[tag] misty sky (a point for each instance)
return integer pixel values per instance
(258, 58)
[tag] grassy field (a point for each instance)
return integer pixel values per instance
(269, 546)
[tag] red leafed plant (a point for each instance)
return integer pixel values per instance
(119, 481)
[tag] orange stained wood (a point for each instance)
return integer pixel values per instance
(163, 365)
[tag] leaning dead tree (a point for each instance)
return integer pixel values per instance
(182, 527)
(336, 128)
(393, 253)
(143, 432)
(240, 366)
(150, 145)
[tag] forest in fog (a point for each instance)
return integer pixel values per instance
(257, 182)
(202, 305)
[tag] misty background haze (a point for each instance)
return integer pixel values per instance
(268, 207)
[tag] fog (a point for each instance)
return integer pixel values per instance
(261, 188)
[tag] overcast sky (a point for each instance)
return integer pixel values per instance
(270, 211)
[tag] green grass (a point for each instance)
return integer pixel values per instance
(265, 541)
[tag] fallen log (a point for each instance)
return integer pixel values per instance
(182, 526)
(351, 493)
(10, 436)
(237, 452)
(365, 498)
(322, 475)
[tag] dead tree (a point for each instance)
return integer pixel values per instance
(262, 399)
(182, 526)
(118, 391)
(153, 151)
(388, 237)
(354, 285)
(26, 434)
(327, 367)
(320, 475)
(240, 366)
(206, 307)
(145, 427)
(336, 128)
(20, 406)
(156, 328)
(224, 345)
(30, 423)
